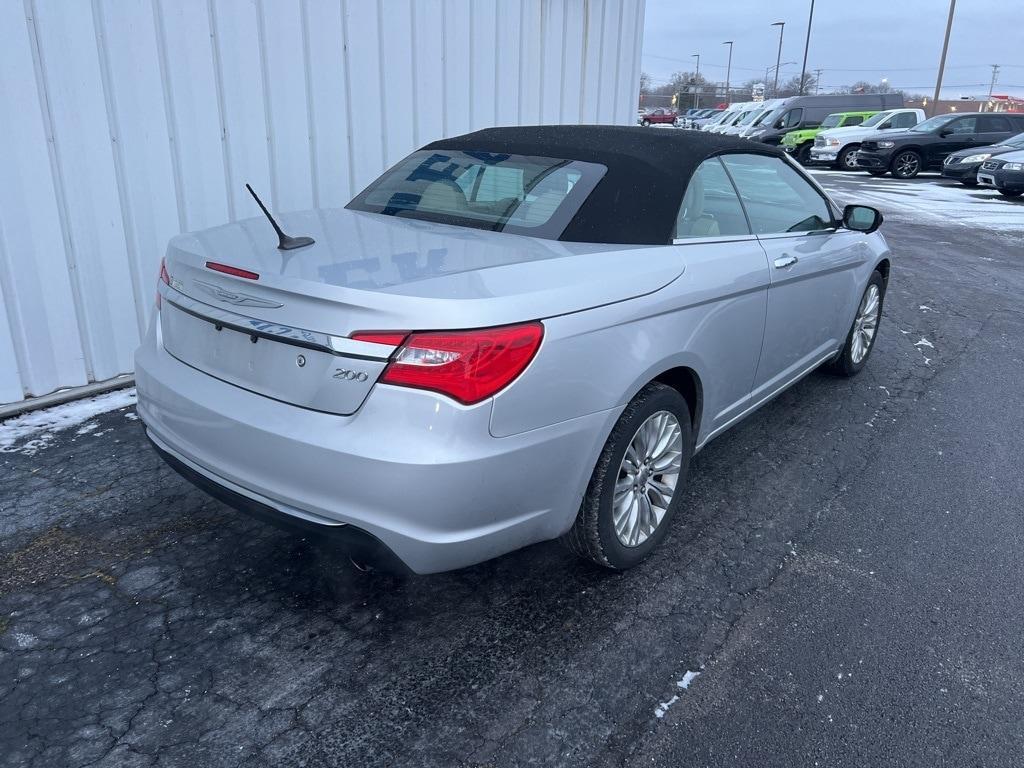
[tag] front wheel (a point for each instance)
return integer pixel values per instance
(803, 153)
(1011, 193)
(847, 159)
(637, 484)
(906, 165)
(675, 122)
(861, 338)
(645, 123)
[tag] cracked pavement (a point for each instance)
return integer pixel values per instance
(846, 574)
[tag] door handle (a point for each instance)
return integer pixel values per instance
(786, 261)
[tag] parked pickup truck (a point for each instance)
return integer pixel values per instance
(659, 115)
(798, 143)
(837, 147)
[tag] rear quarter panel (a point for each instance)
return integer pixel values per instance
(710, 319)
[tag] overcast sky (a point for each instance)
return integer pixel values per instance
(850, 40)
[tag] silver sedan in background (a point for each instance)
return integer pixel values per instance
(515, 335)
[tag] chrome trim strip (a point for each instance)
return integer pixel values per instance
(267, 329)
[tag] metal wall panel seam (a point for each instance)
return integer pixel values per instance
(265, 79)
(59, 189)
(161, 47)
(348, 98)
(417, 143)
(638, 42)
(307, 72)
(541, 60)
(218, 84)
(519, 79)
(472, 69)
(383, 91)
(618, 64)
(583, 55)
(561, 85)
(16, 343)
(117, 154)
(444, 64)
(497, 59)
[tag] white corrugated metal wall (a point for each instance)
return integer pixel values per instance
(124, 122)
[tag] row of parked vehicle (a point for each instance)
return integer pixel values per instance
(875, 133)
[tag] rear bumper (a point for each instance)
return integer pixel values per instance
(414, 470)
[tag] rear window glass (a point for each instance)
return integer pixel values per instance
(536, 196)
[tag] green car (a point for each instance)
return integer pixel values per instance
(799, 143)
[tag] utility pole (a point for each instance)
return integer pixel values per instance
(807, 45)
(728, 72)
(992, 85)
(696, 84)
(817, 80)
(942, 61)
(778, 59)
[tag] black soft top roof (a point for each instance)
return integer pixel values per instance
(648, 171)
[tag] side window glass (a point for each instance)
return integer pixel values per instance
(993, 125)
(776, 197)
(906, 120)
(854, 120)
(965, 125)
(710, 207)
(793, 117)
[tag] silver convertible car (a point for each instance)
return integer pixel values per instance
(511, 336)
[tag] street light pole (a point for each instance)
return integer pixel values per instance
(696, 85)
(728, 72)
(778, 59)
(807, 45)
(942, 61)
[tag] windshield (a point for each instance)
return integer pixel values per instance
(875, 119)
(831, 121)
(932, 123)
(747, 117)
(536, 196)
(1017, 142)
(760, 120)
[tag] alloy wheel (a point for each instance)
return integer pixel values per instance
(647, 478)
(866, 324)
(850, 161)
(907, 165)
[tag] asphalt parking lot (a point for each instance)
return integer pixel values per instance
(847, 581)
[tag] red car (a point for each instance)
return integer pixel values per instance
(660, 115)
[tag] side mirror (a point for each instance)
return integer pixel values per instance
(945, 132)
(862, 218)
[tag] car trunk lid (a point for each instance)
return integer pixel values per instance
(283, 331)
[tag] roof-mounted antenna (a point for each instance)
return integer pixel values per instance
(285, 242)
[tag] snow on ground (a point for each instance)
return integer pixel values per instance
(34, 431)
(683, 684)
(928, 197)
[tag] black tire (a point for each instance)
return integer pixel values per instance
(847, 160)
(592, 535)
(907, 164)
(877, 172)
(803, 152)
(645, 123)
(1011, 193)
(844, 364)
(675, 122)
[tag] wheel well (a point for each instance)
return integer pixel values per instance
(687, 383)
(883, 268)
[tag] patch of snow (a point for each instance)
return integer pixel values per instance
(688, 678)
(87, 428)
(35, 431)
(132, 416)
(662, 708)
(924, 343)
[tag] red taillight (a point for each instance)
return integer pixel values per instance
(391, 338)
(229, 270)
(468, 366)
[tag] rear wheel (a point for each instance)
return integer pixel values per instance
(861, 338)
(847, 159)
(645, 123)
(1011, 192)
(906, 165)
(675, 121)
(637, 484)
